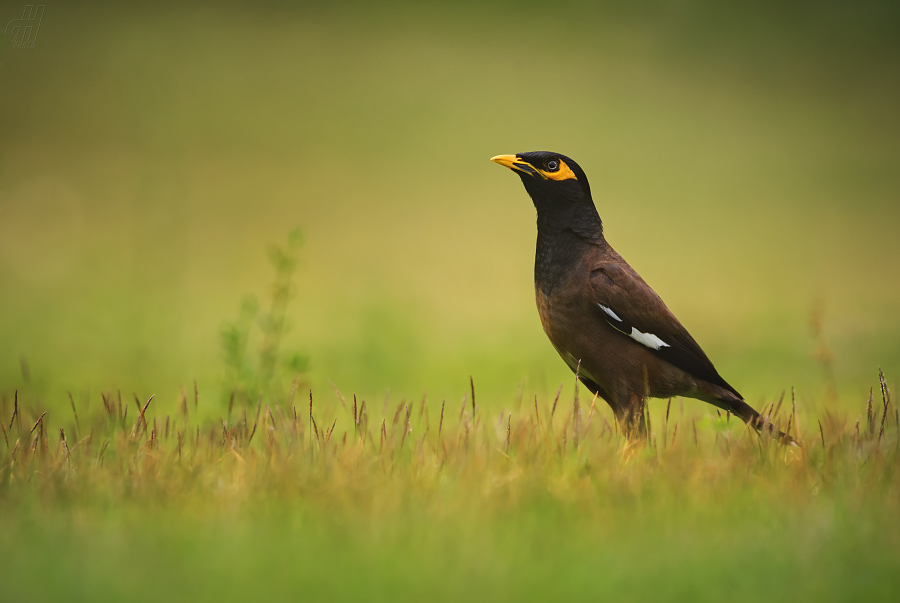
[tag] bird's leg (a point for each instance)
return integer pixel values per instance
(633, 420)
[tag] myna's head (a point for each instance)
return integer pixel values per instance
(554, 181)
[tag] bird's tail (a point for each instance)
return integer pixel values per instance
(759, 422)
(726, 400)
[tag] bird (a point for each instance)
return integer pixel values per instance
(604, 320)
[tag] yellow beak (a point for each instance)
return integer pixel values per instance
(505, 160)
(514, 163)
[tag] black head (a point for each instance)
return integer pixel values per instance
(547, 173)
(557, 185)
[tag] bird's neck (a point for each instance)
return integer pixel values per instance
(562, 242)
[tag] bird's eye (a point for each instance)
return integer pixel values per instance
(552, 165)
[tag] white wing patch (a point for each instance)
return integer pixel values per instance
(609, 311)
(646, 339)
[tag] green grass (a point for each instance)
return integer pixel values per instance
(444, 508)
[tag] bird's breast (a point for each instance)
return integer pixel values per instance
(542, 298)
(559, 316)
(577, 334)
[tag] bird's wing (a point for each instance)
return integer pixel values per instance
(629, 305)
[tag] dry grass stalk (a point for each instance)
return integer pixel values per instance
(74, 412)
(141, 418)
(508, 419)
(271, 417)
(259, 408)
(537, 413)
(180, 441)
(62, 440)
(778, 406)
(591, 413)
(886, 399)
(610, 427)
(339, 395)
(869, 423)
(182, 405)
(16, 414)
(102, 450)
(565, 433)
(311, 419)
(38, 422)
(252, 433)
(666, 423)
(576, 409)
(86, 438)
(555, 400)
(406, 428)
(472, 389)
(315, 428)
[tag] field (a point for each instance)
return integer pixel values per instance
(437, 503)
(228, 207)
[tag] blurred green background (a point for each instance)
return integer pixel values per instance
(745, 160)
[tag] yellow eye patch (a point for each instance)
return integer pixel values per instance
(563, 173)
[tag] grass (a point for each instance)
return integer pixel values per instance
(381, 500)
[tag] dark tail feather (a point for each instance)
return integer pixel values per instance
(727, 399)
(749, 415)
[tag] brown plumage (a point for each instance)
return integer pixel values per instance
(598, 311)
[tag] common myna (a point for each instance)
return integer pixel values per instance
(600, 315)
